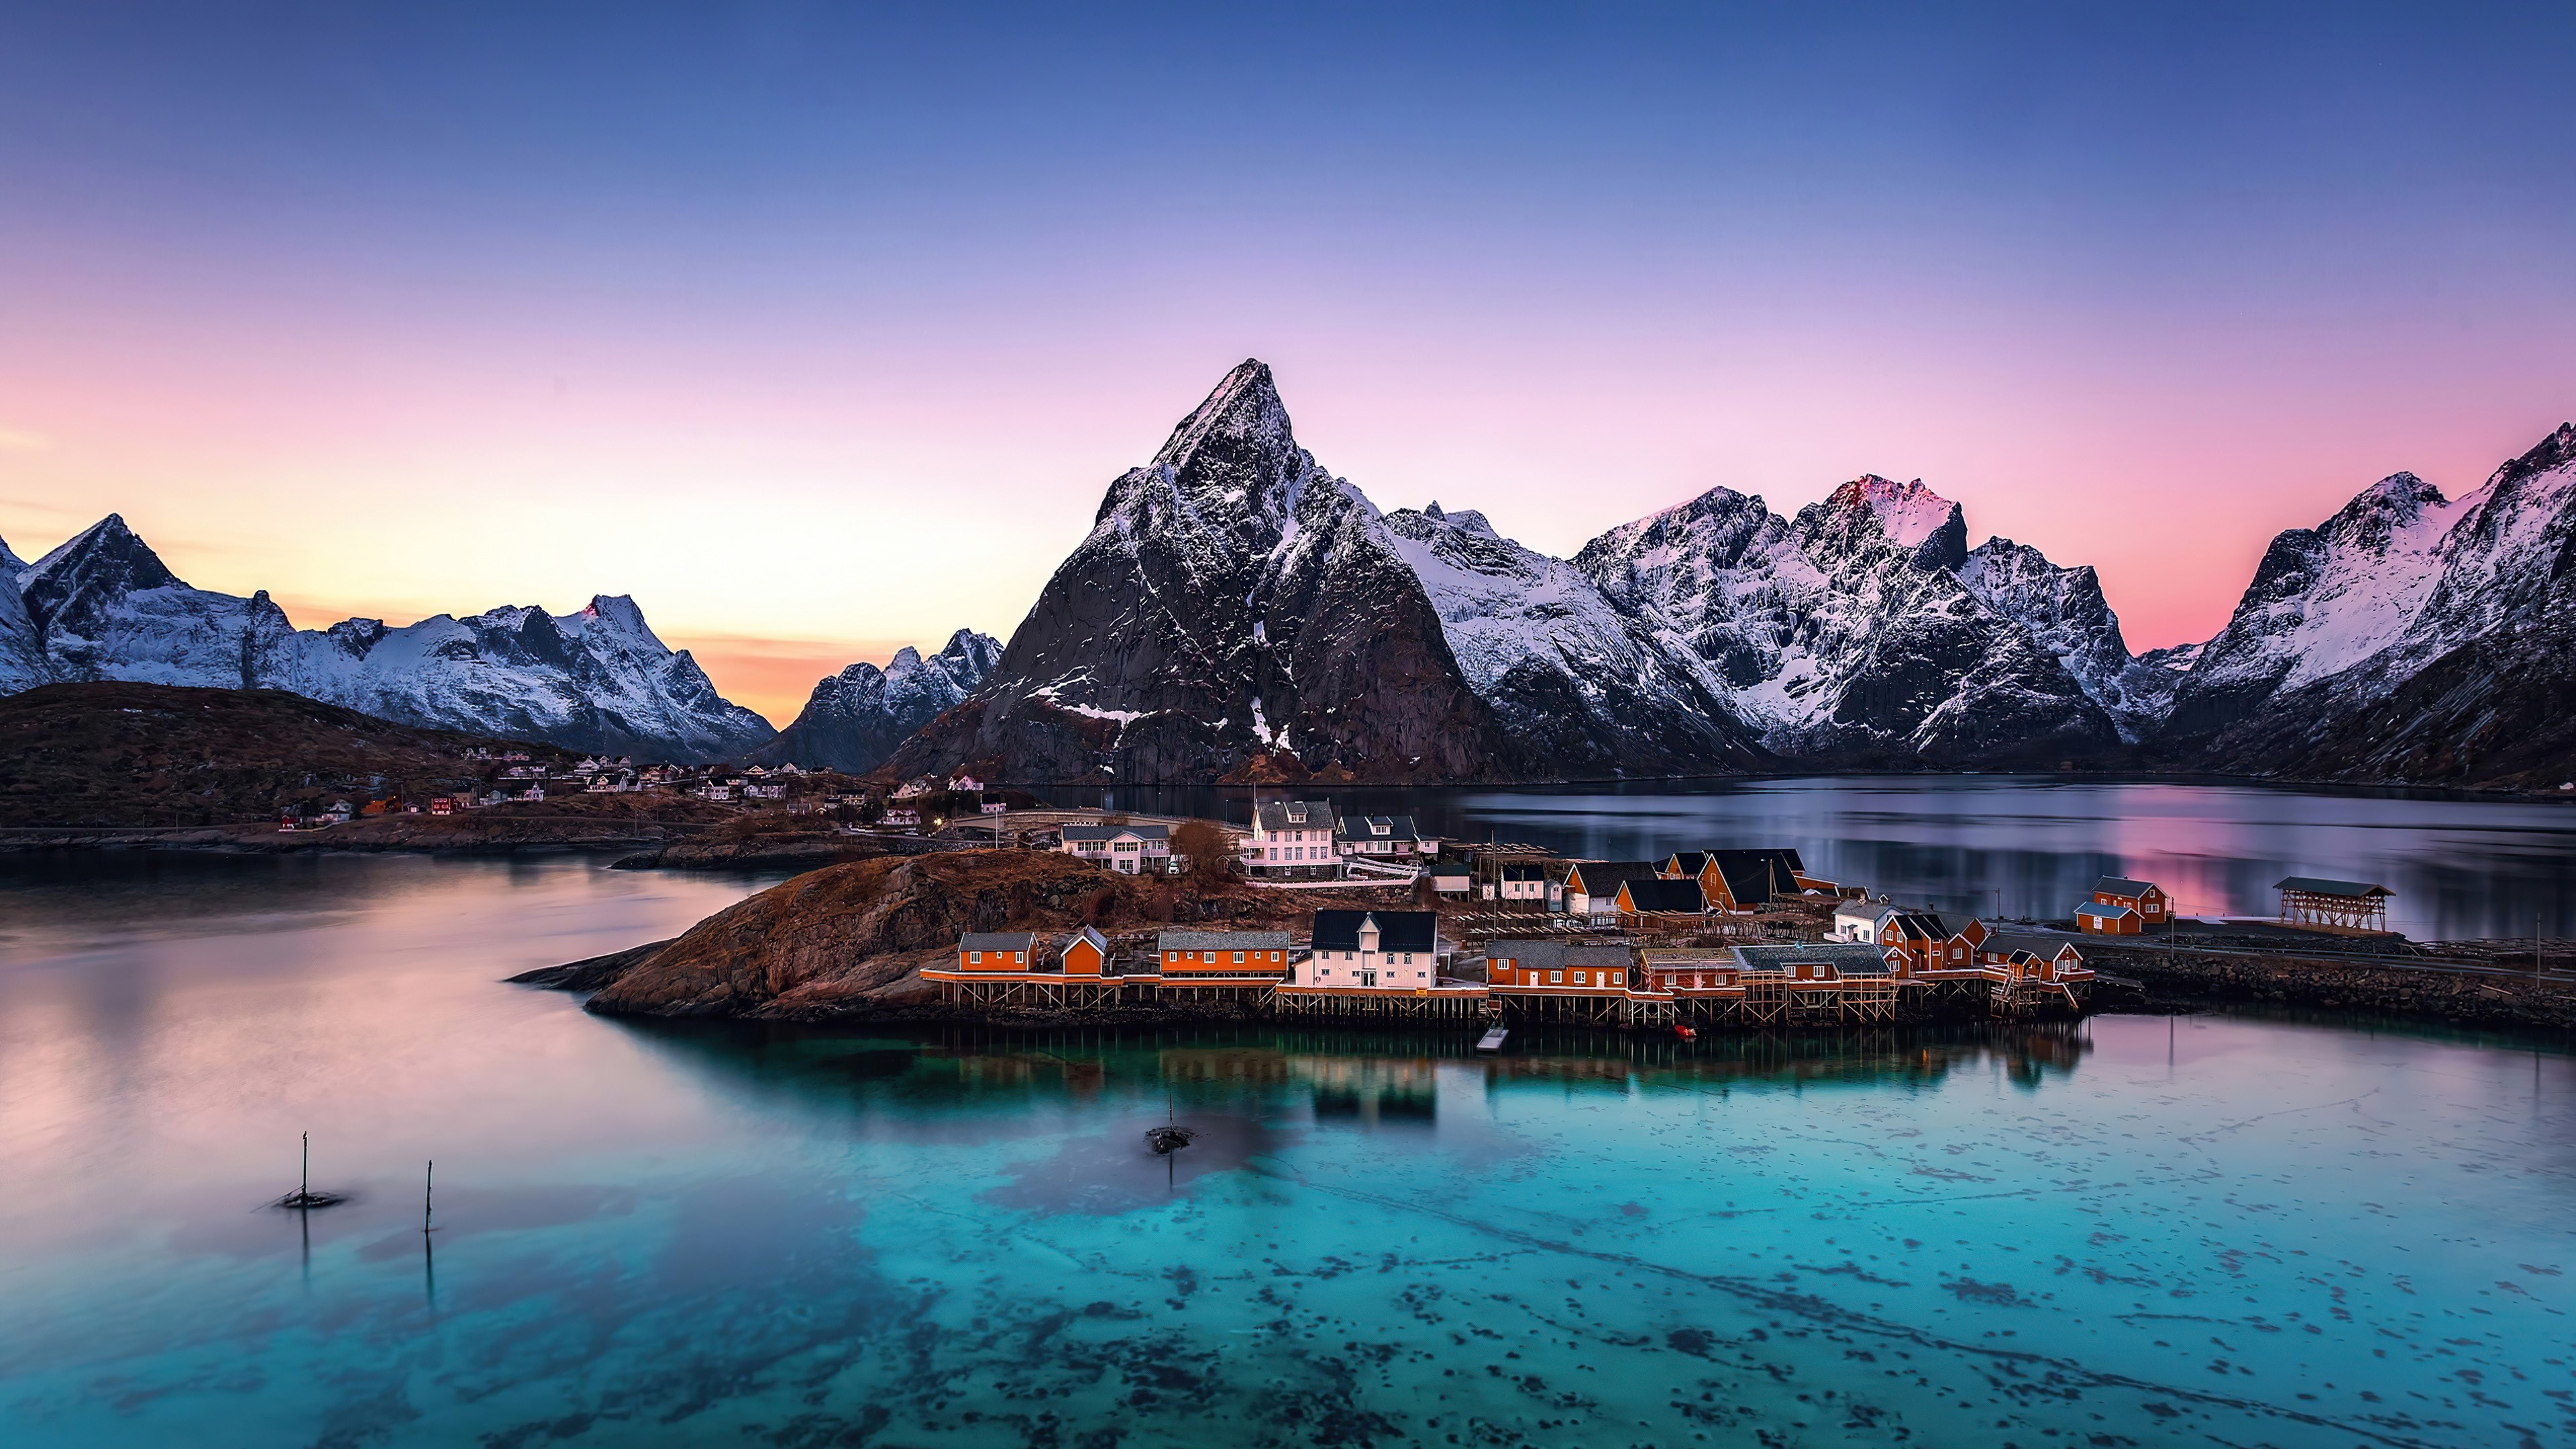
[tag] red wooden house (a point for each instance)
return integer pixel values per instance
(1085, 953)
(1555, 968)
(2143, 896)
(994, 951)
(1206, 955)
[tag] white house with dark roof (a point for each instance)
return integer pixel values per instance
(1382, 837)
(1378, 950)
(1292, 838)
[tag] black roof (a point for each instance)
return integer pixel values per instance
(1754, 876)
(1396, 930)
(2319, 886)
(2004, 943)
(1921, 925)
(1654, 893)
(1602, 877)
(2121, 885)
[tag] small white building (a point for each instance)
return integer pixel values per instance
(900, 815)
(1859, 920)
(1126, 849)
(996, 807)
(965, 784)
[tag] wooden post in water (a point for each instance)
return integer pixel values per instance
(304, 1192)
(425, 1177)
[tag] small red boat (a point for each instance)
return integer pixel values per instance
(1686, 1033)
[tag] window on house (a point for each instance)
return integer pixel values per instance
(1238, 958)
(976, 957)
(1556, 978)
(1020, 957)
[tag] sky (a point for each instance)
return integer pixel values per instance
(820, 329)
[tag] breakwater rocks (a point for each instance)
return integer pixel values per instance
(2184, 979)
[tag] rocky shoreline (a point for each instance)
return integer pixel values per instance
(2185, 980)
(846, 944)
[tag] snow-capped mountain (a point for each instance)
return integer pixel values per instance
(856, 718)
(2408, 637)
(103, 606)
(23, 664)
(1582, 685)
(1235, 611)
(2063, 611)
(1865, 630)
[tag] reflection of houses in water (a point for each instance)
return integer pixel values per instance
(2027, 1054)
(1369, 1089)
(1225, 1066)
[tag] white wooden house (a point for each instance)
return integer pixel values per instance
(1292, 838)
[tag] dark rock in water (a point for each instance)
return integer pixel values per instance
(590, 973)
(1168, 1140)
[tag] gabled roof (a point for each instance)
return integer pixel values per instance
(1294, 815)
(1524, 872)
(1916, 925)
(1687, 862)
(1099, 942)
(1396, 930)
(1848, 958)
(2319, 886)
(1222, 941)
(1602, 877)
(1654, 893)
(1550, 954)
(1376, 827)
(2046, 948)
(2121, 885)
(2105, 913)
(995, 941)
(1537, 955)
(1754, 876)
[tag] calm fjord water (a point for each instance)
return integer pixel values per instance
(2206, 1231)
(2031, 846)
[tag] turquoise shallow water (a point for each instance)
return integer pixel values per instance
(2138, 1231)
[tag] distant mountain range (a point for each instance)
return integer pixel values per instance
(1237, 613)
(104, 607)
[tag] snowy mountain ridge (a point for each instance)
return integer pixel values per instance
(856, 718)
(104, 606)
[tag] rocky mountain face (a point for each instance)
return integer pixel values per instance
(2409, 637)
(855, 719)
(104, 607)
(1865, 631)
(1235, 612)
(23, 664)
(1571, 679)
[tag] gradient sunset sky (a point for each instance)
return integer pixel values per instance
(821, 329)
